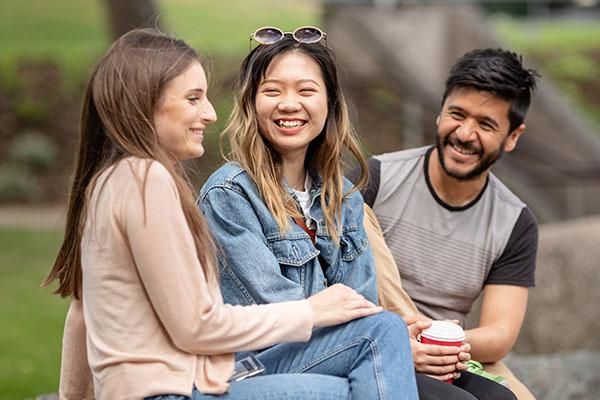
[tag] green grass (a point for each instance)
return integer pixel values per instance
(73, 33)
(69, 32)
(224, 27)
(550, 35)
(31, 317)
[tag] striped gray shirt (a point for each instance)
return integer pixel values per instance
(447, 254)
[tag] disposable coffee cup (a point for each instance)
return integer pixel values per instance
(443, 333)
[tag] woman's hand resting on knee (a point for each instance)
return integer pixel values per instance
(338, 304)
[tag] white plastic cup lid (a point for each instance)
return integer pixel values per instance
(444, 331)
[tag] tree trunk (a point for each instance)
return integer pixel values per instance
(125, 15)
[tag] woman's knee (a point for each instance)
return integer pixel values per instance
(385, 328)
(385, 321)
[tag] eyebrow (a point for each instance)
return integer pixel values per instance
(488, 120)
(274, 80)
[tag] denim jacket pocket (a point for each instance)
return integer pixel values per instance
(295, 257)
(352, 244)
(292, 251)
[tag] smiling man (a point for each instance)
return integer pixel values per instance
(453, 228)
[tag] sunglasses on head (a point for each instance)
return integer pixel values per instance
(304, 34)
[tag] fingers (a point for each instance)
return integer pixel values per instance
(441, 373)
(438, 361)
(464, 357)
(411, 319)
(365, 303)
(442, 378)
(445, 360)
(461, 366)
(435, 350)
(415, 329)
(339, 304)
(365, 312)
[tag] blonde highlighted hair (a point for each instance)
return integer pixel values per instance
(325, 153)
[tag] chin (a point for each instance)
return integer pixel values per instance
(191, 155)
(464, 174)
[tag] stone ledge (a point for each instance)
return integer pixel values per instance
(559, 376)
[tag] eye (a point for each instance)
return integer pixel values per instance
(456, 115)
(308, 91)
(270, 92)
(486, 126)
(193, 99)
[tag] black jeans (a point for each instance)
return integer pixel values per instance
(468, 387)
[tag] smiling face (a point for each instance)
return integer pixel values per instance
(291, 104)
(473, 133)
(183, 112)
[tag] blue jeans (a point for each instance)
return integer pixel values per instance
(368, 358)
(372, 353)
(277, 387)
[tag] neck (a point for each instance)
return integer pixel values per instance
(294, 172)
(452, 191)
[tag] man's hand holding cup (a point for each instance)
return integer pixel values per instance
(442, 362)
(449, 336)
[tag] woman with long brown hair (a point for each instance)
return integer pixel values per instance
(147, 318)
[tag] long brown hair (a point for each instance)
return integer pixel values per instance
(117, 122)
(325, 153)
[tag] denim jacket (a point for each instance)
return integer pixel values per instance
(259, 264)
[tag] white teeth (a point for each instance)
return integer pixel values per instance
(462, 150)
(290, 124)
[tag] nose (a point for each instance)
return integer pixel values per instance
(208, 113)
(289, 103)
(466, 131)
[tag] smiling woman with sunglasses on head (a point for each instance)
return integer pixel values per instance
(287, 222)
(147, 320)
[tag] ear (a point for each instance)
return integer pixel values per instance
(513, 138)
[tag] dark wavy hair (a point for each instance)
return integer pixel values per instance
(497, 71)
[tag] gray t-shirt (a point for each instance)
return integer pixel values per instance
(447, 254)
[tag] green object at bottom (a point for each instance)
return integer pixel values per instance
(475, 367)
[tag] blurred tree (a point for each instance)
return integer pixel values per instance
(127, 15)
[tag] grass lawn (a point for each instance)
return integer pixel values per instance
(31, 317)
(223, 28)
(548, 34)
(73, 33)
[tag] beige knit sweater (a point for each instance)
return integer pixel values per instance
(152, 324)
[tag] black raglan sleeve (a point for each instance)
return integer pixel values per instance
(369, 192)
(516, 265)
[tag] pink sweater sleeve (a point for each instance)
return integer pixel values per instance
(190, 309)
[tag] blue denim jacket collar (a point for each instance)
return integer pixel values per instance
(249, 239)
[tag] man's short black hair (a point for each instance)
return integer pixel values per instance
(497, 71)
